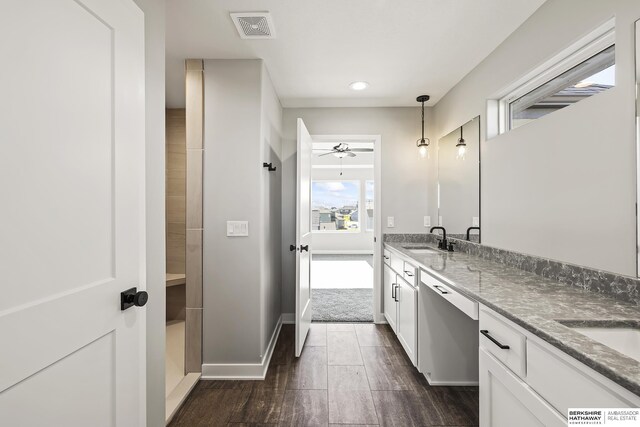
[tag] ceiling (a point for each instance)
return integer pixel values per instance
(402, 48)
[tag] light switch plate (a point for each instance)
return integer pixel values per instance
(237, 228)
(475, 221)
(427, 221)
(390, 222)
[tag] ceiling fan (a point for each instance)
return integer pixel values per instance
(342, 150)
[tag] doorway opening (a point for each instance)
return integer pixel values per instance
(343, 223)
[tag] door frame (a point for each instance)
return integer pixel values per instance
(378, 315)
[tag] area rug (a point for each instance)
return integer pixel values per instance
(342, 305)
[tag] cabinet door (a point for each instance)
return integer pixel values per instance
(407, 318)
(390, 305)
(506, 401)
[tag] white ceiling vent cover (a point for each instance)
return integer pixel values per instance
(254, 25)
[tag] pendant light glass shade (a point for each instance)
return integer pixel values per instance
(423, 145)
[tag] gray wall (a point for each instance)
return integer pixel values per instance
(271, 148)
(154, 19)
(241, 274)
(404, 174)
(563, 186)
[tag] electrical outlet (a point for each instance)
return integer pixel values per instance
(475, 221)
(427, 221)
(390, 222)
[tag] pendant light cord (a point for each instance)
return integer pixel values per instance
(422, 121)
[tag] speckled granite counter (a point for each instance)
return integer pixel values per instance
(537, 303)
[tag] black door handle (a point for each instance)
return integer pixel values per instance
(292, 248)
(493, 340)
(304, 248)
(132, 297)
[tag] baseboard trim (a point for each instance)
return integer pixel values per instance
(243, 371)
(288, 318)
(179, 394)
(343, 252)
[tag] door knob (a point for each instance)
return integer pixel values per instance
(132, 297)
(292, 248)
(304, 248)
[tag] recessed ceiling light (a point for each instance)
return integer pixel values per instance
(358, 85)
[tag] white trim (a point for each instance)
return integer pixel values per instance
(342, 167)
(597, 40)
(344, 252)
(454, 383)
(288, 318)
(243, 371)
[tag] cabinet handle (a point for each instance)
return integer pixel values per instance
(439, 289)
(393, 291)
(493, 340)
(385, 257)
(408, 273)
(398, 293)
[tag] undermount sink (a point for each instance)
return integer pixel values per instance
(421, 250)
(622, 338)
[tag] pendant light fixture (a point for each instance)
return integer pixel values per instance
(461, 146)
(423, 143)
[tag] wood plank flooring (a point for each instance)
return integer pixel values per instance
(348, 375)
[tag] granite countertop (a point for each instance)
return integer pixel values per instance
(537, 304)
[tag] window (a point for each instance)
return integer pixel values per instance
(580, 71)
(586, 79)
(334, 206)
(368, 200)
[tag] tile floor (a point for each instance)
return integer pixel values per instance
(348, 374)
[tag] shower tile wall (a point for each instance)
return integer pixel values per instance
(176, 167)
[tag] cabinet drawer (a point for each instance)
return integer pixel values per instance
(386, 257)
(397, 263)
(495, 332)
(565, 386)
(464, 304)
(410, 273)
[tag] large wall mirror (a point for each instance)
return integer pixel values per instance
(637, 60)
(459, 181)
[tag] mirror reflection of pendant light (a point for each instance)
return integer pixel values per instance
(423, 143)
(461, 146)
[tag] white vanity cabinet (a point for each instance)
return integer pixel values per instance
(407, 330)
(401, 301)
(525, 380)
(390, 306)
(507, 401)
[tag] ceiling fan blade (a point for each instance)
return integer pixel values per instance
(350, 154)
(361, 150)
(323, 149)
(325, 154)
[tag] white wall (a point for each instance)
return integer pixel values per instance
(241, 284)
(336, 242)
(154, 20)
(404, 174)
(562, 186)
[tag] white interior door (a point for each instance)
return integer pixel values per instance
(303, 238)
(72, 221)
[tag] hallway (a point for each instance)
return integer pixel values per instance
(348, 375)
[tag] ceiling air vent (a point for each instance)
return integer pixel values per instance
(254, 25)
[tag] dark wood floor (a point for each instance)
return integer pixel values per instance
(347, 375)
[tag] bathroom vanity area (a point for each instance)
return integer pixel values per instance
(533, 344)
